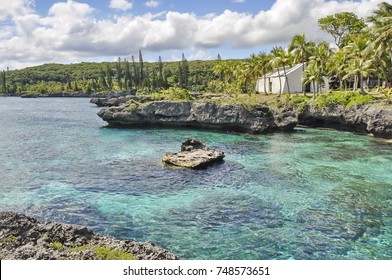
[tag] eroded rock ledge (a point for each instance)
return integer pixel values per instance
(23, 237)
(227, 117)
(370, 119)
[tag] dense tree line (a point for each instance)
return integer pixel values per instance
(363, 52)
(121, 76)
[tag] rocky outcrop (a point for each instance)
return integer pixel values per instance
(231, 117)
(370, 118)
(108, 102)
(194, 154)
(23, 237)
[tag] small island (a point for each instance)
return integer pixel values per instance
(194, 154)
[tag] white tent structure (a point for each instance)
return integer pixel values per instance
(275, 81)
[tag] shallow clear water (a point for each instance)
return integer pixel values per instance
(311, 194)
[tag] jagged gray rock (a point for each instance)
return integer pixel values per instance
(370, 118)
(230, 117)
(23, 237)
(108, 102)
(194, 154)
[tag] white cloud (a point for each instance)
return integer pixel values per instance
(15, 8)
(123, 5)
(239, 1)
(152, 3)
(71, 32)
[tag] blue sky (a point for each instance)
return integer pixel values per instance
(34, 32)
(200, 7)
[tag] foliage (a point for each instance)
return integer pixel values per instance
(387, 95)
(300, 102)
(365, 53)
(104, 252)
(132, 107)
(174, 94)
(56, 246)
(107, 253)
(341, 26)
(346, 99)
(11, 240)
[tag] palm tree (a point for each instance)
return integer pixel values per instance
(276, 62)
(380, 64)
(264, 67)
(313, 75)
(301, 51)
(319, 60)
(381, 29)
(382, 26)
(337, 65)
(361, 60)
(281, 58)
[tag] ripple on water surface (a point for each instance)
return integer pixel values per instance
(311, 194)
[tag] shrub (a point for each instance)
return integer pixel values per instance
(56, 246)
(387, 95)
(346, 99)
(360, 99)
(11, 240)
(173, 94)
(300, 101)
(106, 253)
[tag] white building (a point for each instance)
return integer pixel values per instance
(271, 84)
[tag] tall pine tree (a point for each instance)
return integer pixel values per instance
(160, 81)
(3, 83)
(127, 76)
(102, 80)
(109, 74)
(136, 73)
(119, 74)
(183, 73)
(141, 66)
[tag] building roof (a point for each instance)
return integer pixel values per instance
(280, 71)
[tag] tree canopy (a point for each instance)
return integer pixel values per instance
(341, 26)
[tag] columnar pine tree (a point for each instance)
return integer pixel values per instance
(136, 73)
(109, 74)
(141, 65)
(183, 73)
(102, 80)
(3, 83)
(127, 76)
(119, 74)
(160, 82)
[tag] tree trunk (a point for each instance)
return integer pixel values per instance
(303, 84)
(378, 83)
(286, 80)
(280, 84)
(363, 92)
(265, 85)
(314, 89)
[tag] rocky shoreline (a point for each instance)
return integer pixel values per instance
(369, 119)
(228, 117)
(373, 118)
(23, 237)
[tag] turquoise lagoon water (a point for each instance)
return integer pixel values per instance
(311, 194)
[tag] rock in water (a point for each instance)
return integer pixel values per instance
(194, 154)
